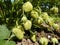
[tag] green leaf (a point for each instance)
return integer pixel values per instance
(4, 42)
(4, 32)
(10, 43)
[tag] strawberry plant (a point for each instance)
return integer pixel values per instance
(26, 19)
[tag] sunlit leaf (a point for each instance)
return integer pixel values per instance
(4, 32)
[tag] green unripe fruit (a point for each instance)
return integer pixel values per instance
(56, 26)
(54, 9)
(24, 19)
(49, 21)
(33, 38)
(54, 40)
(21, 28)
(27, 7)
(45, 16)
(43, 41)
(34, 14)
(27, 25)
(40, 20)
(18, 33)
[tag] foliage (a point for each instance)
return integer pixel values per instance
(27, 16)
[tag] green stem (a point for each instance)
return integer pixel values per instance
(11, 37)
(53, 43)
(23, 12)
(31, 32)
(17, 22)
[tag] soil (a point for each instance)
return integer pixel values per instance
(39, 34)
